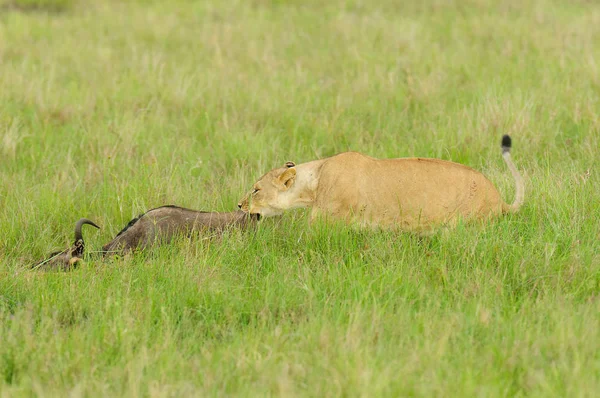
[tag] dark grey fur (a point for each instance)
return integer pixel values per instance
(67, 259)
(160, 225)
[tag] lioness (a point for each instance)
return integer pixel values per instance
(413, 194)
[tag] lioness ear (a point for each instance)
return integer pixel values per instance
(287, 178)
(290, 164)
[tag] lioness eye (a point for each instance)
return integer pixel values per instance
(255, 191)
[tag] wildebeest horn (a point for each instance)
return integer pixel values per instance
(78, 226)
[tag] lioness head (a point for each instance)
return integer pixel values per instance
(270, 194)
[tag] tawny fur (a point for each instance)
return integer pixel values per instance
(412, 194)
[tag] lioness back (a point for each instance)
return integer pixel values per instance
(412, 193)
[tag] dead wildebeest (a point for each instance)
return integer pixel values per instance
(155, 227)
(67, 259)
(160, 225)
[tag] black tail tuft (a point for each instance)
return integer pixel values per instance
(506, 143)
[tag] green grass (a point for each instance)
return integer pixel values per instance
(111, 108)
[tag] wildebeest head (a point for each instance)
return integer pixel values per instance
(67, 259)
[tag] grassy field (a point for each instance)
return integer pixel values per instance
(111, 108)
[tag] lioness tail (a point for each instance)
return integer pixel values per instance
(520, 185)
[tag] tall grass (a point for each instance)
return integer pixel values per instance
(111, 108)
